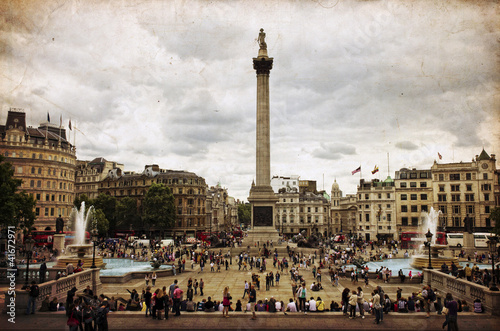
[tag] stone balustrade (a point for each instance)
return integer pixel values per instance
(33, 274)
(59, 288)
(462, 289)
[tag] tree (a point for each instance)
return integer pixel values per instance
(107, 204)
(15, 207)
(245, 213)
(127, 214)
(101, 222)
(82, 198)
(495, 217)
(159, 209)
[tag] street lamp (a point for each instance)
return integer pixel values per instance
(492, 245)
(94, 241)
(28, 244)
(428, 236)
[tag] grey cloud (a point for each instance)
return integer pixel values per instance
(407, 145)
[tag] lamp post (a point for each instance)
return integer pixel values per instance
(428, 236)
(28, 244)
(94, 241)
(492, 245)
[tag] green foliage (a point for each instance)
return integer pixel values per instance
(101, 222)
(82, 198)
(15, 207)
(107, 204)
(159, 209)
(495, 217)
(245, 213)
(127, 214)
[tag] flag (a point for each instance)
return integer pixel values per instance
(70, 125)
(375, 170)
(48, 117)
(357, 170)
(440, 157)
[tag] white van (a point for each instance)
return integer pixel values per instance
(455, 239)
(481, 239)
(166, 242)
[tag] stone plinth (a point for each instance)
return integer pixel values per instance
(58, 242)
(469, 243)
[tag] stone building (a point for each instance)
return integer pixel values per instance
(465, 189)
(307, 211)
(222, 211)
(376, 210)
(45, 161)
(414, 198)
(290, 183)
(343, 212)
(189, 190)
(90, 173)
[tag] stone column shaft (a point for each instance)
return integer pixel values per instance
(263, 159)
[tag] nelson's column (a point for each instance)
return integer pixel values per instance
(262, 197)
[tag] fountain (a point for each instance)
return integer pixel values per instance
(79, 250)
(437, 258)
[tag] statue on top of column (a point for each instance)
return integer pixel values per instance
(468, 224)
(261, 39)
(59, 225)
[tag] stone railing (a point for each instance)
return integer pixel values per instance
(33, 274)
(59, 288)
(463, 290)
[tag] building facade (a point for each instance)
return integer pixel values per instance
(45, 161)
(414, 198)
(189, 190)
(90, 173)
(465, 189)
(376, 210)
(289, 184)
(297, 212)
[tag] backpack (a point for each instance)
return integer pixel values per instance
(36, 292)
(100, 316)
(432, 295)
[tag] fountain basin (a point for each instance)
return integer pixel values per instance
(81, 253)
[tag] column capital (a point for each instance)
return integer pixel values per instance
(263, 65)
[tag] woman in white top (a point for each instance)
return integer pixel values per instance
(153, 278)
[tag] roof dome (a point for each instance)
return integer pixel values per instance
(335, 186)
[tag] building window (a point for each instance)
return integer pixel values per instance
(423, 196)
(455, 197)
(367, 196)
(441, 188)
(404, 221)
(486, 197)
(403, 197)
(443, 209)
(469, 197)
(413, 197)
(468, 176)
(487, 209)
(423, 184)
(388, 217)
(441, 177)
(367, 217)
(486, 187)
(403, 176)
(413, 175)
(402, 184)
(469, 209)
(414, 221)
(413, 184)
(404, 208)
(455, 188)
(442, 197)
(485, 176)
(423, 175)
(455, 209)
(456, 220)
(388, 206)
(454, 176)
(424, 208)
(414, 209)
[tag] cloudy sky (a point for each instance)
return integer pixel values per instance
(172, 83)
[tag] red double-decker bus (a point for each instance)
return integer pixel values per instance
(46, 238)
(414, 239)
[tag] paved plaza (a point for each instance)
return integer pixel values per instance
(216, 281)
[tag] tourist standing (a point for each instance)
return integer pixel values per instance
(226, 302)
(153, 278)
(451, 314)
(146, 278)
(246, 289)
(252, 301)
(377, 307)
(177, 300)
(147, 301)
(202, 285)
(361, 301)
(353, 301)
(102, 317)
(302, 295)
(34, 291)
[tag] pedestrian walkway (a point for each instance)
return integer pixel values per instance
(264, 321)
